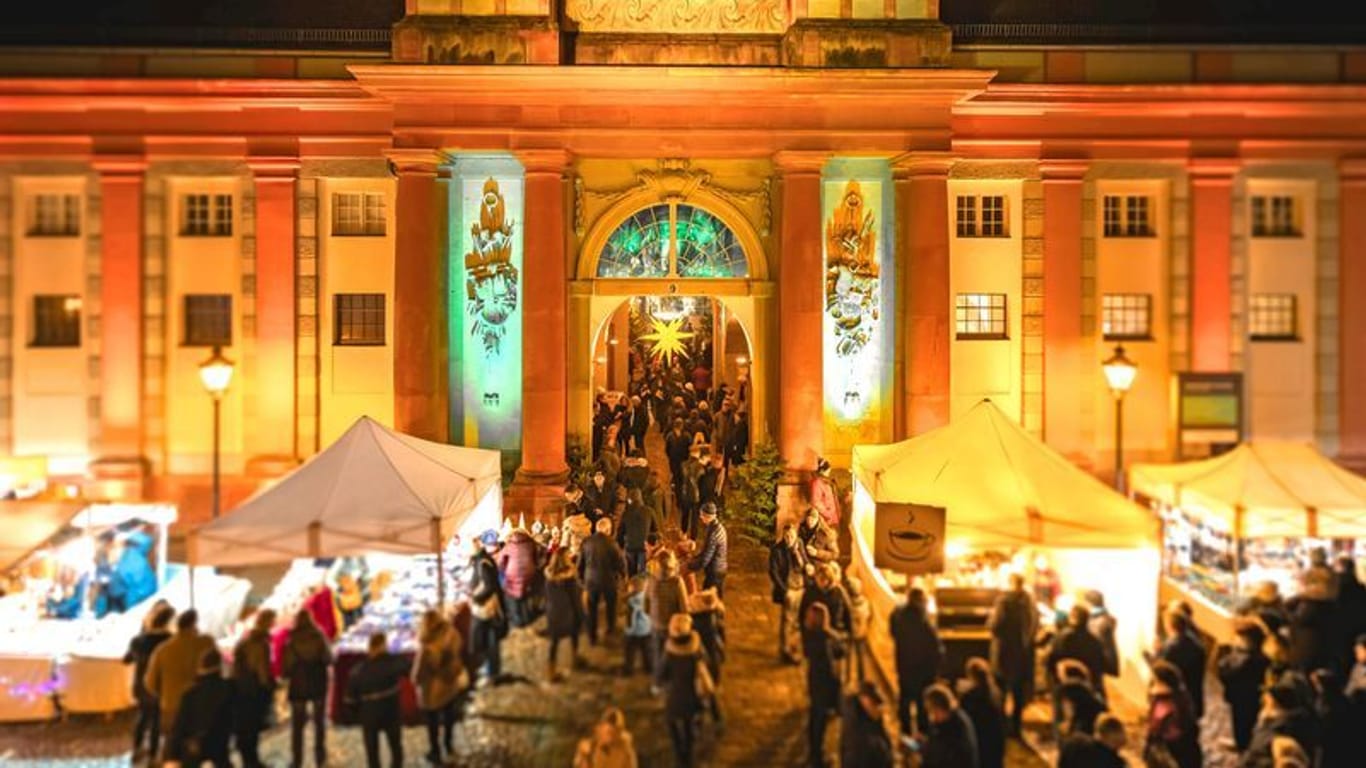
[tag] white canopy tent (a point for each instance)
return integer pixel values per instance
(373, 490)
(30, 524)
(1263, 489)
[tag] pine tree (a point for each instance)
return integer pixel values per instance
(752, 504)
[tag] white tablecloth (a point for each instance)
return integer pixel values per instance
(95, 685)
(26, 686)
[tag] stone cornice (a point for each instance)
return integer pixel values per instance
(923, 165)
(411, 161)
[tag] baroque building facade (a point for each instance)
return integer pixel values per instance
(441, 234)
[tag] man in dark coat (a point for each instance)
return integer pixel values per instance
(1013, 624)
(601, 496)
(1184, 650)
(1350, 608)
(1242, 672)
(601, 566)
(255, 683)
(373, 689)
(677, 673)
(636, 526)
(1284, 713)
(677, 445)
(786, 574)
(950, 741)
(713, 554)
(820, 540)
(919, 654)
(203, 723)
(863, 737)
(488, 614)
(1082, 750)
(1076, 642)
(304, 663)
(737, 439)
(821, 645)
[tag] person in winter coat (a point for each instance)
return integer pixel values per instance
(611, 745)
(713, 556)
(690, 493)
(519, 562)
(665, 597)
(1081, 705)
(1184, 650)
(822, 645)
(825, 498)
(863, 738)
(134, 579)
(1082, 750)
(202, 726)
(1102, 624)
(1338, 733)
(639, 633)
(1350, 609)
(140, 650)
(488, 615)
(1242, 671)
(818, 539)
(708, 621)
(563, 608)
(950, 741)
(860, 617)
(600, 496)
(634, 532)
(440, 678)
(825, 588)
(1356, 682)
(709, 483)
(787, 580)
(1313, 627)
(919, 654)
(1173, 729)
(374, 690)
(304, 663)
(1285, 713)
(737, 441)
(1013, 624)
(677, 444)
(981, 702)
(601, 565)
(255, 684)
(174, 666)
(678, 674)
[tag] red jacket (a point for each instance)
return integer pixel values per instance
(519, 562)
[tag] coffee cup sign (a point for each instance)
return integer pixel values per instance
(909, 538)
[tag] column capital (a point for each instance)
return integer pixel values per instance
(800, 162)
(1213, 170)
(414, 161)
(1064, 170)
(1352, 170)
(120, 167)
(267, 168)
(923, 165)
(545, 161)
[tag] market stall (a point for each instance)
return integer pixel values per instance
(372, 491)
(1249, 516)
(1010, 504)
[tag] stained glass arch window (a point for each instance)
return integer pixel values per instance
(673, 240)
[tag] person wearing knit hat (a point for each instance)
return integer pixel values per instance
(203, 723)
(712, 559)
(681, 674)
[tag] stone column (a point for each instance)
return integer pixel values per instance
(545, 301)
(801, 288)
(1211, 263)
(1352, 313)
(272, 436)
(1062, 304)
(922, 185)
(421, 346)
(121, 457)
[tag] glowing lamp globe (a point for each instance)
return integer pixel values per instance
(216, 373)
(1120, 372)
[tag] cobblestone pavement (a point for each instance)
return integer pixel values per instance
(529, 722)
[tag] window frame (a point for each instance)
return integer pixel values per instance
(962, 320)
(66, 216)
(971, 212)
(1265, 222)
(191, 336)
(1146, 311)
(206, 214)
(65, 334)
(1120, 215)
(371, 213)
(1267, 313)
(340, 321)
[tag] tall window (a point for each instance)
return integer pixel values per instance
(358, 214)
(358, 319)
(208, 320)
(980, 316)
(1126, 316)
(981, 216)
(54, 215)
(1275, 216)
(206, 215)
(1127, 216)
(1272, 317)
(56, 321)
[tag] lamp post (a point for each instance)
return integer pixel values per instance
(216, 374)
(1119, 374)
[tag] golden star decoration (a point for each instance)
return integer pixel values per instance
(667, 339)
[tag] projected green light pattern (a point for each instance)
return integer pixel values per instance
(702, 246)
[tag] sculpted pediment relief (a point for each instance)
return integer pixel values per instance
(680, 16)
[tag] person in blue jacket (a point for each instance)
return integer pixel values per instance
(134, 579)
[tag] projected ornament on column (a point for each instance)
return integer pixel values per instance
(490, 276)
(853, 298)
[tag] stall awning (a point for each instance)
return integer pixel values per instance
(27, 525)
(373, 490)
(1264, 489)
(1002, 486)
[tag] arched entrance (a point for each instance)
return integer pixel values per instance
(679, 260)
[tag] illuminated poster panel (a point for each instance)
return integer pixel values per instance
(486, 287)
(852, 324)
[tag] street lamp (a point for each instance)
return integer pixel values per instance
(1119, 373)
(216, 374)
